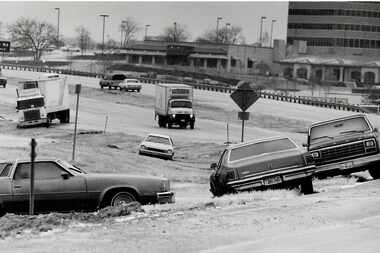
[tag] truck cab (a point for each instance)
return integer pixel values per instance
(344, 145)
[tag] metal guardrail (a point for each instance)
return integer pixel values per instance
(216, 88)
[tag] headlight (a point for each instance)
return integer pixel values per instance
(173, 115)
(315, 154)
(191, 115)
(370, 143)
(142, 147)
(169, 151)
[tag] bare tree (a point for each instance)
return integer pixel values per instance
(129, 27)
(30, 33)
(175, 33)
(226, 35)
(83, 38)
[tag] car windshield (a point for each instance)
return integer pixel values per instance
(338, 128)
(259, 148)
(158, 139)
(30, 103)
(71, 167)
(180, 104)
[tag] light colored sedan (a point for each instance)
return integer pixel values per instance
(157, 145)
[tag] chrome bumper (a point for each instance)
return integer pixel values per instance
(349, 164)
(165, 197)
(31, 122)
(151, 152)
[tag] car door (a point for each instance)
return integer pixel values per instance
(5, 186)
(55, 188)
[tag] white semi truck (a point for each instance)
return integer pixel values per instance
(42, 100)
(174, 105)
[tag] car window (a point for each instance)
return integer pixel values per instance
(180, 104)
(259, 148)
(158, 139)
(42, 171)
(4, 169)
(222, 158)
(132, 81)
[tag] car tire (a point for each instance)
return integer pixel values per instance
(122, 198)
(306, 186)
(374, 172)
(192, 124)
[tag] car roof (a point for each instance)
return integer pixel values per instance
(159, 135)
(230, 147)
(28, 160)
(338, 119)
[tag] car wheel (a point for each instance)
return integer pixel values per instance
(122, 198)
(192, 124)
(374, 172)
(307, 186)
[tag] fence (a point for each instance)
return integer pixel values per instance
(338, 105)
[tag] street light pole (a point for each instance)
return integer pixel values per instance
(146, 31)
(104, 16)
(175, 32)
(271, 32)
(121, 32)
(261, 30)
(217, 28)
(59, 12)
(227, 25)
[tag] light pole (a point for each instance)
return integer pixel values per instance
(261, 30)
(121, 32)
(175, 32)
(227, 25)
(146, 31)
(59, 12)
(271, 32)
(104, 16)
(217, 28)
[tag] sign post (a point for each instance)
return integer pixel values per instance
(244, 96)
(33, 145)
(77, 91)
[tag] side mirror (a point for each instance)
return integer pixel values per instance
(213, 166)
(65, 176)
(375, 130)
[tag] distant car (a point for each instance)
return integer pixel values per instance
(270, 163)
(112, 81)
(157, 145)
(61, 186)
(130, 85)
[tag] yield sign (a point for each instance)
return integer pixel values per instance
(244, 96)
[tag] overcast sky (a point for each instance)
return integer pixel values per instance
(196, 16)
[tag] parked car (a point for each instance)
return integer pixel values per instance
(269, 163)
(61, 186)
(157, 145)
(130, 85)
(344, 145)
(112, 81)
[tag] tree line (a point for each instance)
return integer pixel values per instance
(40, 35)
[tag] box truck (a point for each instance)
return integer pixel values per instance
(43, 100)
(174, 105)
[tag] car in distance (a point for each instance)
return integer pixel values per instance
(344, 145)
(112, 81)
(61, 186)
(130, 85)
(269, 163)
(157, 145)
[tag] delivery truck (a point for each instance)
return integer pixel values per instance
(43, 100)
(174, 105)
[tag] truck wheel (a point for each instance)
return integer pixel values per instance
(374, 172)
(101, 87)
(66, 117)
(192, 124)
(109, 87)
(307, 186)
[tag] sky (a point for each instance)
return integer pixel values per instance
(195, 16)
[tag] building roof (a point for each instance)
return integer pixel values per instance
(331, 61)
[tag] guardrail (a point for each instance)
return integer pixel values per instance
(264, 94)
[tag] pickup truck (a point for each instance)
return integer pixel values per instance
(61, 186)
(112, 81)
(130, 85)
(344, 145)
(269, 163)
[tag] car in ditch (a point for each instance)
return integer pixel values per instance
(130, 85)
(344, 145)
(260, 164)
(157, 145)
(61, 186)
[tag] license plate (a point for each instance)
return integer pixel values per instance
(347, 165)
(272, 180)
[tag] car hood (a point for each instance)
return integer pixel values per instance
(156, 145)
(342, 139)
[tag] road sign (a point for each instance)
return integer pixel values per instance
(244, 96)
(5, 46)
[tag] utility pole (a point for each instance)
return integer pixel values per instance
(121, 32)
(146, 31)
(77, 91)
(33, 145)
(261, 30)
(59, 13)
(227, 25)
(217, 28)
(175, 32)
(271, 32)
(104, 16)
